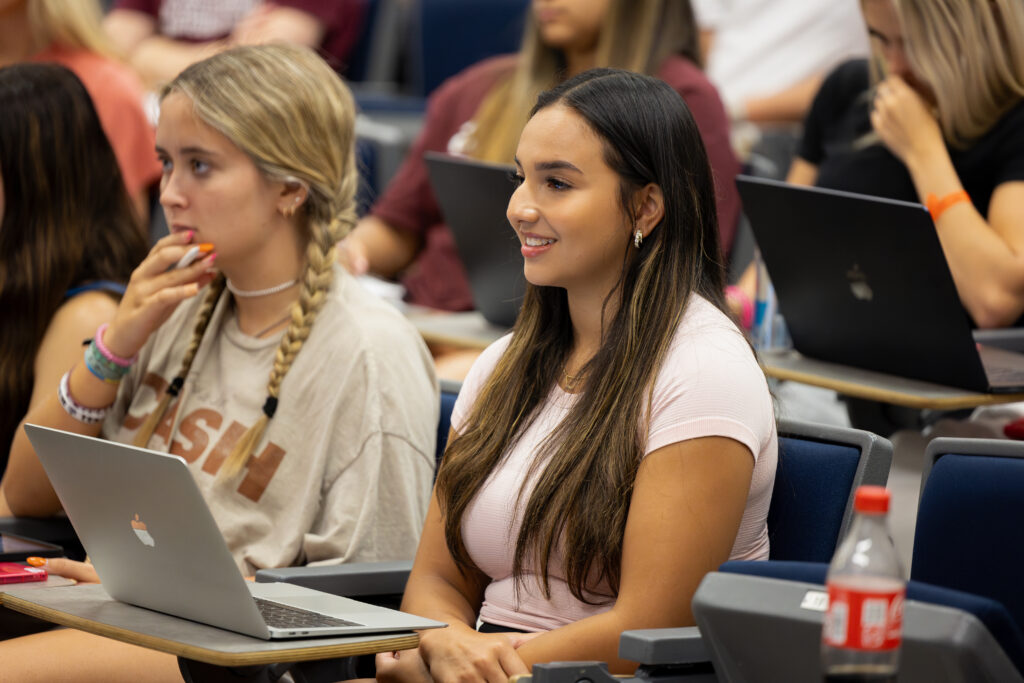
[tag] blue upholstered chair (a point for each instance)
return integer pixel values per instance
(449, 392)
(820, 467)
(446, 36)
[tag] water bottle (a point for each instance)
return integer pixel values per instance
(769, 329)
(864, 622)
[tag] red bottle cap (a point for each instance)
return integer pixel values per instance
(871, 499)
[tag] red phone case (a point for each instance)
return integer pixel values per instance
(15, 572)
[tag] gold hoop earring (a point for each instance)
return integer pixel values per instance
(638, 239)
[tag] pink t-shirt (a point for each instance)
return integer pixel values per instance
(709, 385)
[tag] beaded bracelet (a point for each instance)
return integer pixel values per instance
(101, 366)
(107, 353)
(79, 412)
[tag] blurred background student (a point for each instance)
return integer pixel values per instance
(768, 57)
(69, 32)
(938, 120)
(480, 112)
(917, 124)
(162, 37)
(68, 237)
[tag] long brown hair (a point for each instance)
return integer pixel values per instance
(284, 107)
(581, 499)
(636, 34)
(67, 218)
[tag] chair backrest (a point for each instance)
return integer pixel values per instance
(376, 54)
(969, 534)
(820, 467)
(449, 392)
(446, 36)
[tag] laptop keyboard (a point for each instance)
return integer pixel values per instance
(285, 616)
(999, 374)
(1003, 368)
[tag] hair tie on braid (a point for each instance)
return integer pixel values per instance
(174, 388)
(270, 407)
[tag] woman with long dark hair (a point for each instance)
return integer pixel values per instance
(620, 442)
(68, 237)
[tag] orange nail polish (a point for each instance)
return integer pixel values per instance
(205, 248)
(35, 561)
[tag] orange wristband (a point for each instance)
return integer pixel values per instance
(938, 205)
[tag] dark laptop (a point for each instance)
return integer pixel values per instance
(474, 196)
(863, 281)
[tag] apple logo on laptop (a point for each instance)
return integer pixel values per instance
(859, 284)
(139, 527)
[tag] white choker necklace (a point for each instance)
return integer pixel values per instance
(252, 293)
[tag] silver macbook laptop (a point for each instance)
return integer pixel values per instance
(155, 544)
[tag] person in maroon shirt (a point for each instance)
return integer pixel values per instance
(480, 112)
(162, 37)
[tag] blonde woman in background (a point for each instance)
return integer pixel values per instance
(480, 112)
(69, 32)
(257, 152)
(941, 123)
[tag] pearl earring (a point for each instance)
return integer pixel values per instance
(638, 239)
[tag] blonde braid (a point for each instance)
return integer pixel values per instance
(174, 388)
(316, 282)
(287, 109)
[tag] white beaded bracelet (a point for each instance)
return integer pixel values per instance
(85, 415)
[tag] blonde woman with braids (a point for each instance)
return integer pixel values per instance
(69, 32)
(480, 112)
(306, 408)
(941, 122)
(620, 442)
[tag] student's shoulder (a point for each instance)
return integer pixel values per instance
(478, 77)
(357, 321)
(710, 366)
(82, 313)
(846, 82)
(707, 340)
(679, 70)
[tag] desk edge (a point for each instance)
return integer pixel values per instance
(849, 388)
(200, 654)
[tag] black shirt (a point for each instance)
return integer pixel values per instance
(840, 116)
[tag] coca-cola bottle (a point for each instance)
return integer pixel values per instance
(864, 622)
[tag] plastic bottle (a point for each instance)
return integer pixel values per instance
(769, 329)
(864, 622)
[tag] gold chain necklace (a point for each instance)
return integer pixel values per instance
(571, 380)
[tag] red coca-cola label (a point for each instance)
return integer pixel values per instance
(864, 619)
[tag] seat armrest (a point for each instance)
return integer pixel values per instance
(352, 580)
(570, 672)
(664, 646)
